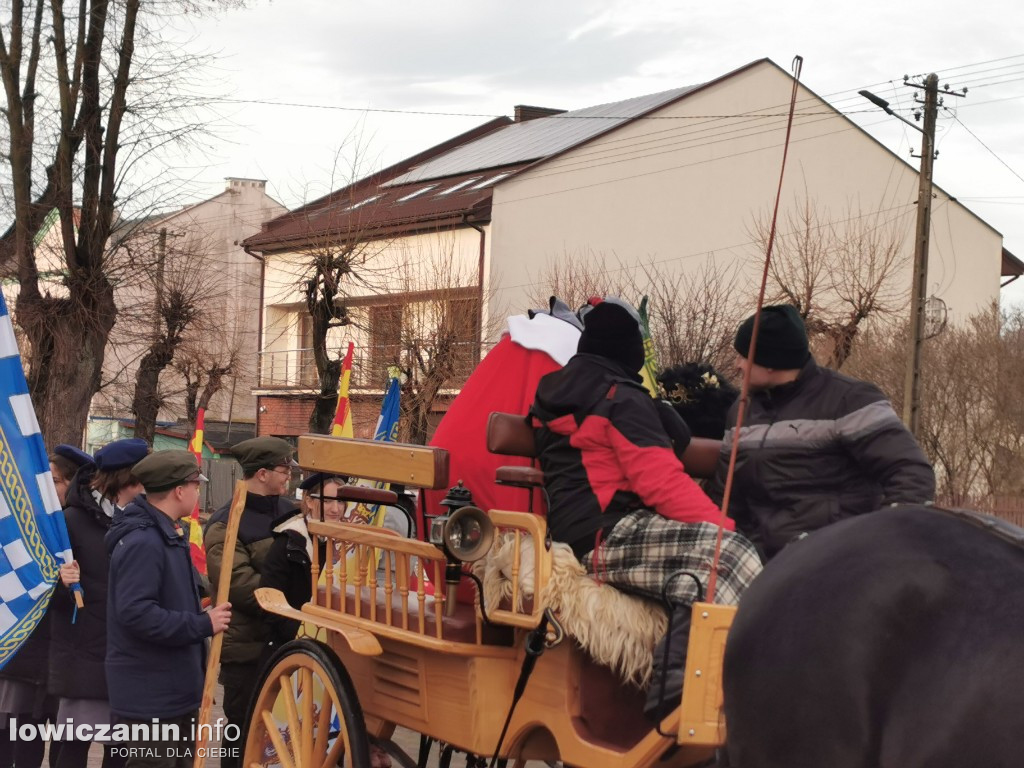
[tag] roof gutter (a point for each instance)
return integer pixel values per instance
(259, 319)
(479, 282)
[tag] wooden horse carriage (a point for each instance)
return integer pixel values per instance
(391, 651)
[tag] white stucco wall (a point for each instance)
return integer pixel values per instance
(691, 183)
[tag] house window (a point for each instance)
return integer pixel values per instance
(463, 325)
(385, 343)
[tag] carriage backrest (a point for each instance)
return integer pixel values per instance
(416, 466)
(509, 434)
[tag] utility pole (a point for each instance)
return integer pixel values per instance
(919, 291)
(161, 255)
(919, 286)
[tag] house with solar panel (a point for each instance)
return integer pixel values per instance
(474, 224)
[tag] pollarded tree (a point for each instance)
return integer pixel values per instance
(840, 272)
(77, 115)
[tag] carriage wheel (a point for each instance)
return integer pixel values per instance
(306, 713)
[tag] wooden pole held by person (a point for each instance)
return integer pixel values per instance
(223, 587)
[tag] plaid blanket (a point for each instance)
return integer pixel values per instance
(644, 549)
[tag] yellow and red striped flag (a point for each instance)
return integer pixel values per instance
(195, 533)
(342, 426)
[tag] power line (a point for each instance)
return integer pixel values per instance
(987, 147)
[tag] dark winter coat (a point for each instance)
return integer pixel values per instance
(249, 632)
(605, 453)
(288, 567)
(78, 651)
(819, 449)
(156, 654)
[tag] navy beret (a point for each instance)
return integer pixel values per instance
(319, 478)
(76, 456)
(121, 453)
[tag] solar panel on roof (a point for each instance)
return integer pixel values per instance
(536, 139)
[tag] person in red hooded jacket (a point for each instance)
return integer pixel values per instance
(619, 495)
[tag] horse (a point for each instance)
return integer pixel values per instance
(890, 640)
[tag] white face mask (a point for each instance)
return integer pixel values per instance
(108, 507)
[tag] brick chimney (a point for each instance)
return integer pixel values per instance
(239, 183)
(524, 112)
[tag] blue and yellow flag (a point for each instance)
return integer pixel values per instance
(387, 422)
(33, 537)
(650, 370)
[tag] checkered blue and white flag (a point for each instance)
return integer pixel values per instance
(33, 537)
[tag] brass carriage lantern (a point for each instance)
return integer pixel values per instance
(464, 534)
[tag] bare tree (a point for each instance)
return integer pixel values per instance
(77, 116)
(337, 259)
(972, 421)
(440, 334)
(204, 368)
(692, 315)
(841, 273)
(576, 276)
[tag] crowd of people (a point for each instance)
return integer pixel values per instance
(815, 447)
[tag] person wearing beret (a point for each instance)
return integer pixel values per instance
(816, 446)
(23, 680)
(267, 467)
(156, 627)
(78, 648)
(620, 496)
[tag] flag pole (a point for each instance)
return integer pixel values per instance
(223, 587)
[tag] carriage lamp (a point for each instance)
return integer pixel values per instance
(464, 534)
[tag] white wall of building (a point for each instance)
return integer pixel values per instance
(691, 184)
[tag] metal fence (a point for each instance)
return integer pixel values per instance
(222, 475)
(1009, 508)
(296, 368)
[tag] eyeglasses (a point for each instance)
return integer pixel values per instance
(282, 470)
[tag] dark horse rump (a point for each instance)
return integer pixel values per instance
(891, 640)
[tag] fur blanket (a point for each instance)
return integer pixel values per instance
(616, 629)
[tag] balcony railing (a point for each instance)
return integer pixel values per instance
(296, 368)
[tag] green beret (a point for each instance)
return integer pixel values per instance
(263, 453)
(164, 470)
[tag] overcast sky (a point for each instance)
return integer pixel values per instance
(479, 58)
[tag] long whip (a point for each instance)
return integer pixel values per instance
(798, 63)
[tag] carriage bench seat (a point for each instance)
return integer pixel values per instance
(520, 477)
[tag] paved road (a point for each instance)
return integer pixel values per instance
(407, 740)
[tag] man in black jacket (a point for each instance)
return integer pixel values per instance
(156, 654)
(816, 446)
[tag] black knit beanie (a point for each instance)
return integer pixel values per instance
(611, 331)
(781, 338)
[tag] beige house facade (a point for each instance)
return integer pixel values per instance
(675, 179)
(691, 180)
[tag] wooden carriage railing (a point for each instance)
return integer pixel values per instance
(388, 593)
(397, 587)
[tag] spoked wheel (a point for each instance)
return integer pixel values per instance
(306, 714)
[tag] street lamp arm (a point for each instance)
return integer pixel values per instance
(884, 105)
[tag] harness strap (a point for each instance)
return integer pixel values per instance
(535, 644)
